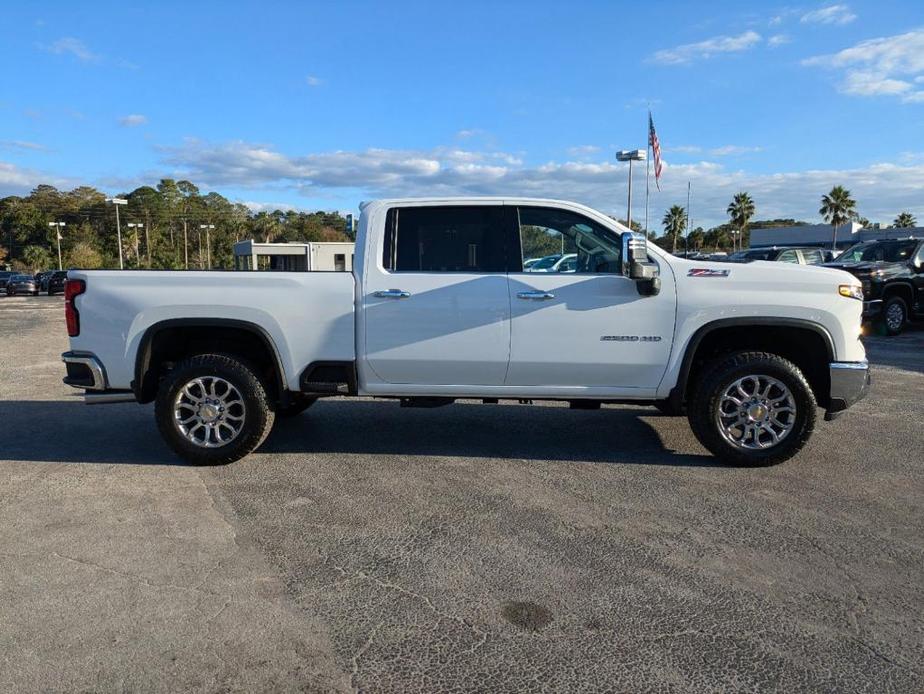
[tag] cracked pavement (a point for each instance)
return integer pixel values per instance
(466, 548)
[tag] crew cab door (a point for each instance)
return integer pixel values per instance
(589, 327)
(435, 299)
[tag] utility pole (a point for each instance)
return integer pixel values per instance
(58, 228)
(185, 245)
(208, 244)
(137, 227)
(117, 202)
(686, 237)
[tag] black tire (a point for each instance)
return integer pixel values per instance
(666, 408)
(719, 377)
(297, 404)
(894, 324)
(258, 416)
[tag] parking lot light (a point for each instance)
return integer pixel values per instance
(59, 226)
(630, 155)
(116, 202)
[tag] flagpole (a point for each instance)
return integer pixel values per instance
(687, 237)
(647, 172)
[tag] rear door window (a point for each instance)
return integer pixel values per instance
(445, 239)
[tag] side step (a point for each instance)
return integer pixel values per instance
(426, 402)
(328, 378)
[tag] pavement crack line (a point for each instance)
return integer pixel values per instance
(126, 575)
(482, 635)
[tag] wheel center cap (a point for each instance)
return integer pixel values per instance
(208, 412)
(757, 412)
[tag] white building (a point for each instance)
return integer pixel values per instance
(316, 256)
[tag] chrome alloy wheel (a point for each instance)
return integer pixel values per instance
(895, 316)
(756, 412)
(209, 412)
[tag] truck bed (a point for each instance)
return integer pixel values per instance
(307, 315)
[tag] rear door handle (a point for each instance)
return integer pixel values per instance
(536, 296)
(393, 294)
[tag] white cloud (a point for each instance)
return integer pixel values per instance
(733, 150)
(832, 14)
(133, 120)
(778, 40)
(880, 189)
(468, 132)
(70, 45)
(723, 151)
(887, 66)
(582, 150)
(706, 49)
(684, 149)
(22, 145)
(313, 81)
(16, 180)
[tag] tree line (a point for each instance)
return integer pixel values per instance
(170, 226)
(837, 209)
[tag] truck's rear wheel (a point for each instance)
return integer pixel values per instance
(213, 409)
(753, 408)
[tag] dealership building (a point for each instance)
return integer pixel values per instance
(820, 235)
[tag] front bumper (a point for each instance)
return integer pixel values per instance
(871, 309)
(850, 381)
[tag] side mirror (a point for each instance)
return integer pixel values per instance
(636, 266)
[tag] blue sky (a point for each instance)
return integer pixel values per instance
(321, 105)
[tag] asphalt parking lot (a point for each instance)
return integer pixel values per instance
(471, 547)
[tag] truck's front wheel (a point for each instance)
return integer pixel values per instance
(213, 409)
(753, 408)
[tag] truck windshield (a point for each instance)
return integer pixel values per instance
(874, 251)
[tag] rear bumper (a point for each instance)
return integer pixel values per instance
(84, 370)
(850, 381)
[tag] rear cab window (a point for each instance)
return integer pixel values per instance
(464, 239)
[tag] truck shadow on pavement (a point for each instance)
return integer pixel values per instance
(70, 432)
(472, 430)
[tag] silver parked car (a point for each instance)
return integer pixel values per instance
(21, 284)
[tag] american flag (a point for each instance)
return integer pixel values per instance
(655, 150)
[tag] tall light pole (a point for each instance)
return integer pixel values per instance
(137, 226)
(631, 155)
(117, 202)
(208, 244)
(58, 226)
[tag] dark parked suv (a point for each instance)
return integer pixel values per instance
(4, 278)
(56, 282)
(892, 273)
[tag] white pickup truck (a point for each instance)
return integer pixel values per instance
(438, 307)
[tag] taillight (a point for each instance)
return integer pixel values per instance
(72, 288)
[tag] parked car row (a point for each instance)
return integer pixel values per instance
(49, 282)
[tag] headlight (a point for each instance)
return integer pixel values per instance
(851, 291)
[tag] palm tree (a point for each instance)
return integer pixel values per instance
(905, 220)
(741, 209)
(836, 208)
(675, 221)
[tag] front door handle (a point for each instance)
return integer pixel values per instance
(536, 296)
(393, 294)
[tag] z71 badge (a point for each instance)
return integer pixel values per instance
(707, 272)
